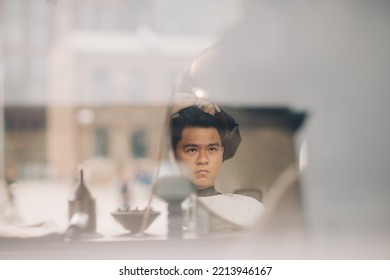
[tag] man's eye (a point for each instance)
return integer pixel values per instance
(190, 150)
(213, 149)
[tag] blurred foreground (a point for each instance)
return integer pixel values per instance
(283, 238)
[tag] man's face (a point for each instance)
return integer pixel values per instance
(200, 150)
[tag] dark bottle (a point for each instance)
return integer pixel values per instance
(81, 201)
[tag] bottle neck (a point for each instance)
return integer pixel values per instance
(81, 191)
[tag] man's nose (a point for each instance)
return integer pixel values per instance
(202, 158)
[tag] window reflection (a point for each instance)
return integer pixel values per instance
(89, 82)
(101, 142)
(14, 12)
(85, 81)
(100, 87)
(138, 83)
(138, 144)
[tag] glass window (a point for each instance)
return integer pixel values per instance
(137, 142)
(14, 82)
(137, 84)
(15, 26)
(86, 14)
(37, 81)
(101, 142)
(138, 13)
(38, 24)
(109, 19)
(100, 87)
(191, 18)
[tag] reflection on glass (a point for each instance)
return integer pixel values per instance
(88, 82)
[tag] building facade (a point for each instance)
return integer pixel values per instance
(102, 70)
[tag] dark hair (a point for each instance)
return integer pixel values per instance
(195, 117)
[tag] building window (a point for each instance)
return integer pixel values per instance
(37, 81)
(86, 14)
(101, 142)
(138, 144)
(14, 89)
(138, 13)
(15, 11)
(100, 86)
(137, 84)
(39, 26)
(200, 17)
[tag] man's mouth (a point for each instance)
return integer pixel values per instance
(202, 171)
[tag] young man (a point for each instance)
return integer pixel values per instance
(203, 136)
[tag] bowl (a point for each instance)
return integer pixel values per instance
(132, 219)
